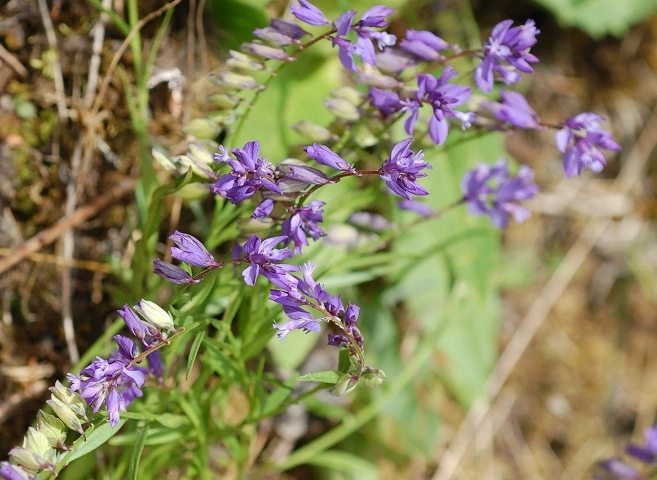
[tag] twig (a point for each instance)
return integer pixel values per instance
(58, 76)
(13, 62)
(50, 234)
(592, 232)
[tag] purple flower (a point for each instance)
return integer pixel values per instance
(325, 156)
(491, 190)
(304, 223)
(442, 97)
(262, 258)
(385, 101)
(423, 45)
(144, 331)
(420, 208)
(505, 53)
(190, 250)
(402, 169)
(114, 382)
(620, 469)
(13, 472)
(303, 324)
(289, 29)
(514, 110)
(582, 142)
(172, 273)
(309, 13)
(249, 173)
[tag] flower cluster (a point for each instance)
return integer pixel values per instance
(116, 381)
(581, 140)
(493, 191)
(40, 449)
(373, 18)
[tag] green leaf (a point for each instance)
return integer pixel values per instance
(328, 376)
(193, 352)
(135, 457)
(94, 440)
(600, 17)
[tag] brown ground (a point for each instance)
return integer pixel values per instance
(583, 386)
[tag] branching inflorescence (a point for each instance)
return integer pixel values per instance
(411, 80)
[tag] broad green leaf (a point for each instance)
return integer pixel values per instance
(94, 440)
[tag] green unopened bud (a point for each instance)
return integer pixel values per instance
(37, 442)
(373, 377)
(202, 128)
(199, 168)
(221, 117)
(154, 314)
(345, 385)
(65, 414)
(221, 100)
(342, 108)
(52, 427)
(164, 160)
(193, 191)
(312, 131)
(29, 460)
(198, 151)
(267, 52)
(258, 226)
(364, 137)
(235, 81)
(350, 94)
(244, 62)
(71, 399)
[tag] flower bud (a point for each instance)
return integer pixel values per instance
(244, 62)
(222, 100)
(154, 314)
(313, 132)
(342, 108)
(73, 400)
(266, 52)
(344, 385)
(229, 81)
(199, 152)
(53, 428)
(379, 81)
(373, 377)
(164, 160)
(66, 415)
(363, 137)
(350, 94)
(202, 128)
(37, 442)
(29, 460)
(199, 168)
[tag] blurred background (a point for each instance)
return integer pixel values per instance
(565, 342)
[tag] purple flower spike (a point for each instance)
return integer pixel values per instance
(249, 173)
(262, 258)
(491, 190)
(309, 13)
(325, 156)
(514, 110)
(402, 169)
(582, 141)
(506, 53)
(172, 273)
(190, 250)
